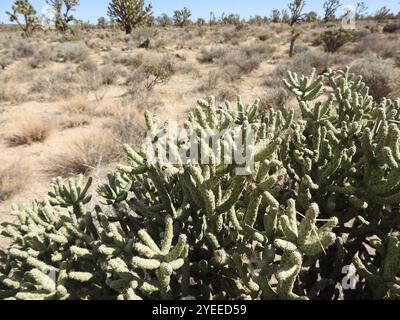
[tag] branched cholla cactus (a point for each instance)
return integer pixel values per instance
(224, 214)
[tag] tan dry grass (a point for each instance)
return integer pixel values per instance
(30, 131)
(14, 177)
(87, 153)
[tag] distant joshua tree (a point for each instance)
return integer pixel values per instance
(296, 14)
(361, 9)
(24, 9)
(63, 18)
(382, 14)
(182, 17)
(101, 23)
(275, 16)
(330, 8)
(129, 13)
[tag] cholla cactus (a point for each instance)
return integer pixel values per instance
(25, 9)
(168, 225)
(384, 279)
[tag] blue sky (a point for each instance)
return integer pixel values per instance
(92, 9)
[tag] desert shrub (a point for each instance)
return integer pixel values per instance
(211, 54)
(381, 46)
(360, 34)
(238, 63)
(85, 154)
(22, 49)
(40, 59)
(300, 48)
(335, 39)
(109, 74)
(323, 194)
(75, 51)
(259, 48)
(266, 35)
(304, 63)
(126, 130)
(30, 131)
(5, 60)
(380, 76)
(65, 75)
(210, 82)
(128, 59)
(167, 63)
(155, 75)
(13, 179)
(273, 98)
(391, 28)
(61, 90)
(226, 93)
(88, 65)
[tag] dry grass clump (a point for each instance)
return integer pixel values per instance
(13, 178)
(75, 121)
(87, 153)
(30, 131)
(78, 105)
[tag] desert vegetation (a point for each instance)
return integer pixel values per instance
(77, 100)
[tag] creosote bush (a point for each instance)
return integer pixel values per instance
(323, 191)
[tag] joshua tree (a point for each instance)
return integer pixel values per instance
(181, 17)
(382, 14)
(312, 16)
(275, 16)
(25, 9)
(62, 11)
(101, 23)
(164, 20)
(361, 9)
(330, 8)
(296, 8)
(129, 13)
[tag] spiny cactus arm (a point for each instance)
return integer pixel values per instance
(290, 267)
(207, 195)
(304, 88)
(156, 176)
(117, 188)
(391, 266)
(232, 194)
(74, 194)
